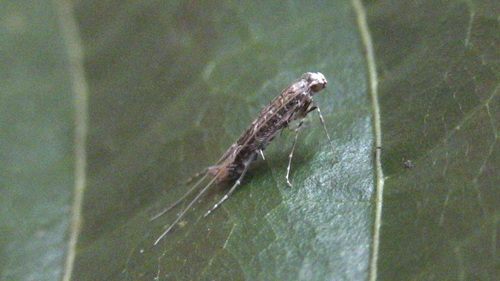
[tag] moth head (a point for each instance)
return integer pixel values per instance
(316, 81)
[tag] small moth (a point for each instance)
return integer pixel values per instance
(292, 104)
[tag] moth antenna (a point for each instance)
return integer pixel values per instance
(187, 208)
(324, 128)
(180, 199)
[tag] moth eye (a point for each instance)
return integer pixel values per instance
(317, 86)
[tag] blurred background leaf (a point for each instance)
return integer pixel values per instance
(173, 84)
(36, 142)
(438, 71)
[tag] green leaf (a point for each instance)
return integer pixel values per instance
(172, 84)
(36, 143)
(192, 79)
(439, 97)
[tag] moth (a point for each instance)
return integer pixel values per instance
(292, 104)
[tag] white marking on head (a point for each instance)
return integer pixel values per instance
(317, 81)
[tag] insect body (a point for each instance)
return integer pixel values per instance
(292, 104)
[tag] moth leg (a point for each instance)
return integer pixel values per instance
(324, 128)
(290, 156)
(233, 188)
(311, 109)
(261, 153)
